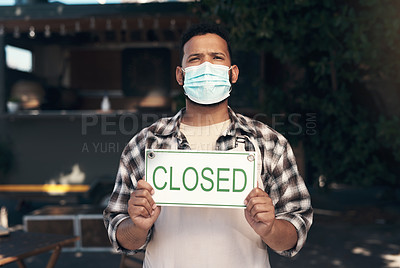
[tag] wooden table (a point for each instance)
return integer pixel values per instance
(20, 245)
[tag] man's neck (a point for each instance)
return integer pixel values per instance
(200, 115)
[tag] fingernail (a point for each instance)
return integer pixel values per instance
(154, 206)
(152, 191)
(245, 202)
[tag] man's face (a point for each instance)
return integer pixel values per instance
(208, 47)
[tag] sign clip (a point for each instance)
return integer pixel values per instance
(250, 157)
(151, 155)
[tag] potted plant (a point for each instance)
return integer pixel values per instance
(13, 105)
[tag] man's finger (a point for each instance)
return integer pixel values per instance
(142, 184)
(260, 208)
(142, 202)
(256, 192)
(258, 200)
(142, 193)
(264, 217)
(139, 211)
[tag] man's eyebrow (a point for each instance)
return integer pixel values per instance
(210, 53)
(217, 53)
(195, 55)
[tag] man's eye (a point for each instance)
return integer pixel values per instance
(193, 59)
(218, 58)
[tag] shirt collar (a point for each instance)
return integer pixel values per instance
(169, 126)
(239, 125)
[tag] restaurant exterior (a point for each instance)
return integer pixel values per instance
(76, 83)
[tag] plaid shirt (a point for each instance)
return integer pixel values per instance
(279, 172)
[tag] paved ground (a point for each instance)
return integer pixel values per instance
(347, 245)
(352, 228)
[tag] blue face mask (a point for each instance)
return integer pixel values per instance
(207, 83)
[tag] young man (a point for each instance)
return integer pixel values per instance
(278, 212)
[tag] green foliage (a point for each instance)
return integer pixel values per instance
(14, 99)
(329, 52)
(388, 134)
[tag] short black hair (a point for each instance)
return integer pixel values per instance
(202, 29)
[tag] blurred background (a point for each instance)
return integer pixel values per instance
(78, 78)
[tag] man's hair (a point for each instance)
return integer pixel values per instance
(202, 29)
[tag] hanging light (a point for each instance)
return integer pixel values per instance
(172, 24)
(101, 2)
(63, 31)
(32, 33)
(47, 32)
(77, 27)
(60, 9)
(16, 32)
(18, 11)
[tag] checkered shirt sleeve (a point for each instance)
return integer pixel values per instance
(287, 190)
(282, 181)
(131, 167)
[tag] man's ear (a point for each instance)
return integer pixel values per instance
(179, 75)
(234, 74)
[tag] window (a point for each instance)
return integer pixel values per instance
(18, 58)
(7, 3)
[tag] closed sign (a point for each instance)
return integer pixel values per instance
(201, 178)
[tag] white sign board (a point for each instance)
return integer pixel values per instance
(201, 178)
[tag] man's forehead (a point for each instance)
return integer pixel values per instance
(210, 43)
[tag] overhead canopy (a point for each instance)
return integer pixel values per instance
(165, 20)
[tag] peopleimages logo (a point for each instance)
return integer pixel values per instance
(108, 125)
(103, 147)
(112, 124)
(309, 128)
(294, 123)
(110, 133)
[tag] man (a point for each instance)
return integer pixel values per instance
(278, 213)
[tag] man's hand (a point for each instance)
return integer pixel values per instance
(278, 234)
(142, 209)
(143, 212)
(260, 212)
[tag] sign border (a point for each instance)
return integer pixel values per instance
(203, 152)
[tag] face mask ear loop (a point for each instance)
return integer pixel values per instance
(230, 90)
(183, 75)
(230, 77)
